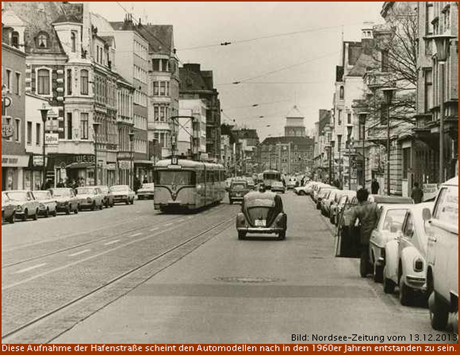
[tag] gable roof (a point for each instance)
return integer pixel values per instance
(160, 37)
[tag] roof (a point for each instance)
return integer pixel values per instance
(383, 199)
(295, 113)
(101, 23)
(70, 13)
(362, 65)
(160, 37)
(192, 81)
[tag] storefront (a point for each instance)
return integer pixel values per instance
(33, 174)
(74, 169)
(13, 171)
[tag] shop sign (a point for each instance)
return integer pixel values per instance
(83, 158)
(111, 166)
(429, 191)
(37, 160)
(125, 165)
(7, 130)
(15, 161)
(51, 139)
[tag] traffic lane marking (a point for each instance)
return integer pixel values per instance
(30, 268)
(153, 229)
(135, 235)
(80, 252)
(168, 224)
(112, 242)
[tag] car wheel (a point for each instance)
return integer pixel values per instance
(140, 197)
(302, 193)
(77, 209)
(282, 235)
(54, 214)
(439, 312)
(388, 285)
(127, 201)
(47, 213)
(231, 201)
(406, 294)
(93, 206)
(13, 216)
(378, 273)
(100, 206)
(35, 217)
(241, 235)
(112, 204)
(318, 206)
(132, 201)
(107, 204)
(25, 215)
(68, 210)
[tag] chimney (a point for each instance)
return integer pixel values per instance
(367, 37)
(193, 67)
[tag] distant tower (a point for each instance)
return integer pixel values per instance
(294, 124)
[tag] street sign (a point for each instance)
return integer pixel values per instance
(37, 160)
(6, 102)
(7, 130)
(174, 160)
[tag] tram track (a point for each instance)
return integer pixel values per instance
(165, 223)
(201, 238)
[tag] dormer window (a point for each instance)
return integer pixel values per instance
(73, 41)
(15, 39)
(42, 41)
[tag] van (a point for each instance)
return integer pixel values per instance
(442, 255)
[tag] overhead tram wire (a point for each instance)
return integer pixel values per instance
(227, 43)
(257, 104)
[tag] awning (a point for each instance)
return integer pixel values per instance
(146, 162)
(80, 165)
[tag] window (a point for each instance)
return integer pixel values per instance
(349, 118)
(383, 113)
(446, 208)
(156, 88)
(84, 82)
(340, 118)
(69, 125)
(156, 64)
(18, 83)
(42, 41)
(29, 132)
(69, 81)
(339, 142)
(38, 134)
(15, 39)
(162, 88)
(84, 125)
(17, 130)
(341, 93)
(429, 18)
(428, 90)
(73, 42)
(409, 227)
(8, 80)
(385, 63)
(394, 220)
(406, 162)
(8, 123)
(43, 78)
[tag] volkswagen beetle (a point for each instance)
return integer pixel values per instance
(261, 212)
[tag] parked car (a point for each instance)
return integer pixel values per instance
(66, 200)
(387, 200)
(317, 188)
(292, 183)
(336, 207)
(47, 204)
(388, 226)
(304, 190)
(146, 191)
(405, 256)
(261, 212)
(238, 189)
(8, 209)
(91, 197)
(26, 205)
(327, 202)
(277, 186)
(122, 193)
(108, 199)
(323, 193)
(442, 256)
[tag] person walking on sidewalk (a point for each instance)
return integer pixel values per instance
(417, 193)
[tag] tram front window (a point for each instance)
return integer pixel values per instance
(175, 177)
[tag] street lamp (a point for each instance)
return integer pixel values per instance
(339, 143)
(362, 121)
(44, 112)
(442, 48)
(95, 128)
(388, 97)
(349, 132)
(331, 162)
(131, 139)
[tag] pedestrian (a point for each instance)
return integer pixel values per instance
(368, 215)
(137, 184)
(145, 181)
(375, 186)
(60, 184)
(417, 193)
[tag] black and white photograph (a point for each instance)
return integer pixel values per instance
(229, 173)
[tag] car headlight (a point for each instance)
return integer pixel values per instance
(418, 265)
(89, 199)
(41, 206)
(18, 208)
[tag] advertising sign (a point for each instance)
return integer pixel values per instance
(7, 130)
(51, 139)
(429, 191)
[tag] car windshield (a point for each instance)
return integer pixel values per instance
(42, 195)
(277, 184)
(147, 186)
(61, 193)
(238, 185)
(104, 189)
(119, 188)
(17, 196)
(86, 191)
(394, 220)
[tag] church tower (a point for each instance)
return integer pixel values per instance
(294, 124)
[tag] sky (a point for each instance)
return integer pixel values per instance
(284, 53)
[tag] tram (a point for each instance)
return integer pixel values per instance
(188, 185)
(270, 176)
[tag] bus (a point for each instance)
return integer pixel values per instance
(188, 185)
(269, 176)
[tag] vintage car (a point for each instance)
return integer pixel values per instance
(389, 200)
(261, 212)
(122, 193)
(388, 226)
(323, 193)
(26, 205)
(251, 183)
(317, 189)
(277, 186)
(442, 256)
(146, 191)
(238, 189)
(292, 183)
(107, 200)
(8, 209)
(327, 202)
(336, 208)
(405, 256)
(66, 200)
(47, 204)
(91, 197)
(304, 190)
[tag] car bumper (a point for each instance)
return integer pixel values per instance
(120, 199)
(147, 195)
(416, 282)
(238, 198)
(263, 230)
